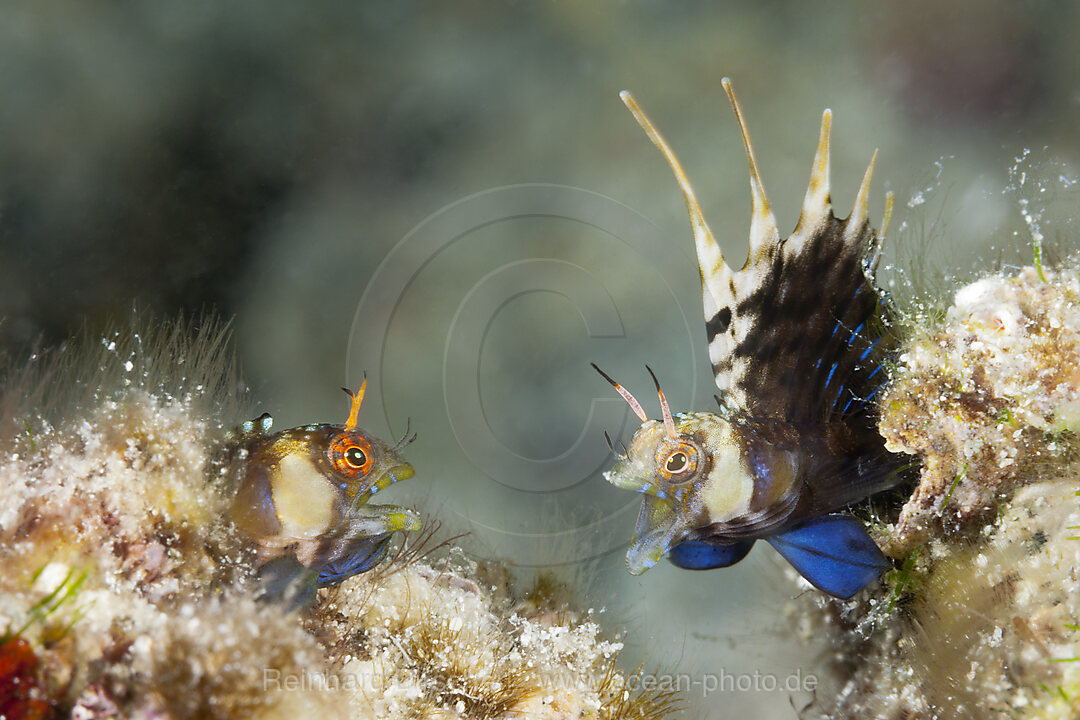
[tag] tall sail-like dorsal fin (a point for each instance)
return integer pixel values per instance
(879, 240)
(764, 235)
(817, 206)
(716, 276)
(791, 334)
(858, 216)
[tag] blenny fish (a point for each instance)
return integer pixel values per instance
(798, 345)
(303, 496)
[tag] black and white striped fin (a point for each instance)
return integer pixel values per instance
(793, 334)
(716, 276)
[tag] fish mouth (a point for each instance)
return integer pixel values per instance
(394, 473)
(403, 471)
(659, 528)
(626, 477)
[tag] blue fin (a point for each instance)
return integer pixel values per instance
(698, 555)
(285, 580)
(361, 555)
(834, 553)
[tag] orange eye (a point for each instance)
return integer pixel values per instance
(350, 455)
(355, 457)
(677, 462)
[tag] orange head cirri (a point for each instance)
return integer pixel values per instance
(349, 451)
(305, 490)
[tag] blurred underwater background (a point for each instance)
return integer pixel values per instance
(452, 199)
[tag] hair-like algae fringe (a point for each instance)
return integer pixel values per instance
(125, 590)
(435, 635)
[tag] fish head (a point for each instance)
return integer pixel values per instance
(311, 485)
(692, 479)
(361, 464)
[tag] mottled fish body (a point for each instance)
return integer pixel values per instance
(797, 347)
(303, 495)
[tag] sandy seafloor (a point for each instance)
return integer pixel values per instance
(276, 162)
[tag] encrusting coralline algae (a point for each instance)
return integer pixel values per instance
(987, 398)
(118, 566)
(125, 591)
(983, 617)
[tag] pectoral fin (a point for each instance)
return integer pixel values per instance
(698, 555)
(362, 542)
(658, 529)
(358, 556)
(834, 553)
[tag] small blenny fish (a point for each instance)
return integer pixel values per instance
(797, 345)
(304, 492)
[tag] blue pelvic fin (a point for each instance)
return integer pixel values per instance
(362, 554)
(285, 580)
(698, 555)
(834, 553)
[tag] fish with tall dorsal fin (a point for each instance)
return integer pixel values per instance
(798, 348)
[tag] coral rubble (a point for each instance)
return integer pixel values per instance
(985, 398)
(983, 617)
(126, 591)
(453, 643)
(983, 629)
